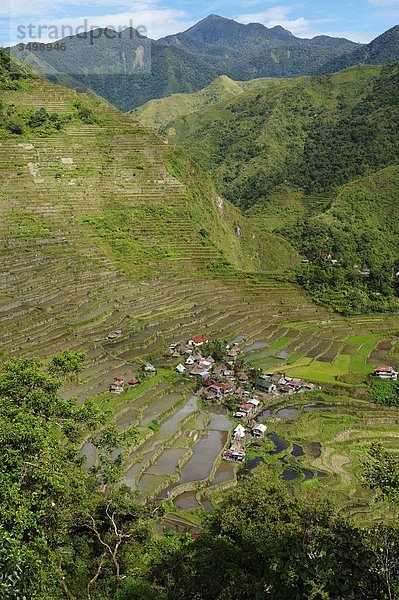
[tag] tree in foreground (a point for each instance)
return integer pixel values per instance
(62, 530)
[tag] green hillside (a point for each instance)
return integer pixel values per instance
(159, 113)
(293, 154)
(266, 138)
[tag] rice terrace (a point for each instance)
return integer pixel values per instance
(199, 318)
(68, 282)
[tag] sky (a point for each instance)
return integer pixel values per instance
(358, 20)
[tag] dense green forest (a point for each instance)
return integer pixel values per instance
(68, 533)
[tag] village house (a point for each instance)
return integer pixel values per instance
(198, 340)
(242, 377)
(114, 335)
(386, 373)
(278, 378)
(239, 432)
(228, 374)
(263, 384)
(255, 402)
(239, 415)
(181, 369)
(297, 384)
(150, 369)
(190, 361)
(234, 455)
(200, 370)
(118, 385)
(247, 408)
(221, 389)
(233, 352)
(259, 430)
(133, 381)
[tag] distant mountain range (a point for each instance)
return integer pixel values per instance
(189, 61)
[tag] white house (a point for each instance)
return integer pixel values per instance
(259, 430)
(254, 401)
(239, 415)
(239, 432)
(181, 369)
(385, 373)
(149, 368)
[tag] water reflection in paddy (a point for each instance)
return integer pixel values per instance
(314, 449)
(265, 414)
(170, 425)
(219, 421)
(186, 501)
(127, 418)
(289, 475)
(167, 463)
(255, 346)
(297, 450)
(252, 463)
(89, 452)
(287, 413)
(159, 406)
(224, 472)
(279, 443)
(200, 465)
(131, 474)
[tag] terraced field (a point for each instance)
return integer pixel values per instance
(97, 235)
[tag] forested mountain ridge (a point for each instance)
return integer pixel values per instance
(189, 61)
(223, 38)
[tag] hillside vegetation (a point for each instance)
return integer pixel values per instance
(159, 113)
(309, 158)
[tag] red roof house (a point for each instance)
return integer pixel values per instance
(199, 340)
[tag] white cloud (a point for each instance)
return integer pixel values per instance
(35, 8)
(154, 23)
(280, 15)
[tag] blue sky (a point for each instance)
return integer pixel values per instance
(359, 20)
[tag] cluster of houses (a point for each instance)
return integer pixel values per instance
(119, 384)
(279, 383)
(386, 373)
(198, 363)
(326, 256)
(236, 452)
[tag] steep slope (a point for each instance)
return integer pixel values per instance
(310, 133)
(310, 156)
(159, 113)
(104, 226)
(384, 49)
